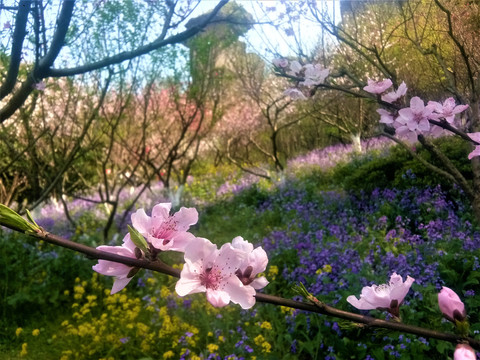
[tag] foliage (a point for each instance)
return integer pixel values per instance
(331, 241)
(399, 169)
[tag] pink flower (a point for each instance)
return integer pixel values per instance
(295, 94)
(464, 352)
(213, 271)
(314, 75)
(395, 95)
(295, 68)
(385, 116)
(163, 231)
(255, 262)
(450, 305)
(280, 63)
(415, 118)
(377, 87)
(475, 137)
(448, 109)
(383, 297)
(40, 86)
(123, 273)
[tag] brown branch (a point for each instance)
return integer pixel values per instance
(142, 50)
(19, 34)
(41, 71)
(317, 306)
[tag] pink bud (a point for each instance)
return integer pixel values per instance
(464, 352)
(450, 305)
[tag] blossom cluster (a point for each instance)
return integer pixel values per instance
(415, 120)
(225, 274)
(312, 74)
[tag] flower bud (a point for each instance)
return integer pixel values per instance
(450, 305)
(464, 352)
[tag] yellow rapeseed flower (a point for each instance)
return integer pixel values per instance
(36, 332)
(266, 325)
(327, 268)
(212, 348)
(164, 292)
(169, 354)
(24, 351)
(266, 347)
(18, 331)
(259, 340)
(273, 271)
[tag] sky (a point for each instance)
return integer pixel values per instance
(265, 39)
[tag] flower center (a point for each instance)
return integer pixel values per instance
(211, 278)
(165, 230)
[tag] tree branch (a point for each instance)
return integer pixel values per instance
(315, 306)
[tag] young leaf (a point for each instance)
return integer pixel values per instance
(138, 239)
(11, 219)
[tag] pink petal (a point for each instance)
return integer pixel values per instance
(424, 125)
(401, 288)
(218, 298)
(417, 105)
(474, 136)
(111, 268)
(229, 258)
(474, 153)
(200, 250)
(141, 221)
(179, 242)
(241, 244)
(161, 213)
(119, 284)
(189, 282)
(258, 260)
(239, 294)
(458, 109)
(259, 283)
(184, 218)
(359, 304)
(406, 114)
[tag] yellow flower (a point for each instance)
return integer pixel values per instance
(259, 340)
(169, 354)
(272, 271)
(24, 350)
(18, 331)
(266, 325)
(36, 332)
(319, 271)
(212, 348)
(327, 268)
(66, 293)
(266, 347)
(164, 292)
(209, 333)
(221, 338)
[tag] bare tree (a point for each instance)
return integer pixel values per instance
(73, 30)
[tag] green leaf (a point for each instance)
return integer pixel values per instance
(138, 239)
(11, 219)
